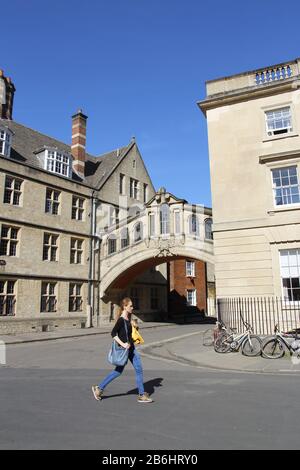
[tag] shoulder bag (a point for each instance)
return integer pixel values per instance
(118, 356)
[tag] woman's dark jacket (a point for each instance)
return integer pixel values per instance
(119, 330)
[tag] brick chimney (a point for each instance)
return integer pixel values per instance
(78, 142)
(7, 91)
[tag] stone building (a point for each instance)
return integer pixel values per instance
(253, 121)
(54, 199)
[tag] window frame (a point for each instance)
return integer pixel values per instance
(51, 247)
(52, 160)
(282, 278)
(77, 209)
(48, 295)
(279, 168)
(192, 270)
(77, 251)
(74, 296)
(194, 291)
(12, 244)
(51, 203)
(12, 191)
(271, 132)
(5, 141)
(5, 295)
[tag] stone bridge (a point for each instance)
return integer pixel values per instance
(166, 229)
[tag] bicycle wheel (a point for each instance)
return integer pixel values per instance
(208, 337)
(273, 349)
(252, 346)
(222, 344)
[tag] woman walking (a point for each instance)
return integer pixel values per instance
(122, 334)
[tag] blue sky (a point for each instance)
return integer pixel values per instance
(137, 68)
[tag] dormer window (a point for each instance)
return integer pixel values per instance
(58, 162)
(5, 141)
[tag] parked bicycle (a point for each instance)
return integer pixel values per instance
(249, 343)
(212, 334)
(275, 347)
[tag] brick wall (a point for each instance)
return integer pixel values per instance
(180, 283)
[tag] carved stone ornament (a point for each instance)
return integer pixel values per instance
(164, 253)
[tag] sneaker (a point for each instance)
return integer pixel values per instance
(97, 392)
(144, 398)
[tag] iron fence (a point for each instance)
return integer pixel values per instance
(263, 313)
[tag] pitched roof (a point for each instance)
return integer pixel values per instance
(27, 141)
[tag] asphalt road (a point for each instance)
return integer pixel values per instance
(46, 402)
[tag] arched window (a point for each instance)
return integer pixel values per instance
(164, 219)
(151, 224)
(138, 232)
(208, 229)
(194, 228)
(124, 238)
(112, 245)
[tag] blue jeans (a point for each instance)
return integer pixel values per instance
(135, 360)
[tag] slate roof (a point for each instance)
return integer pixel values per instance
(26, 142)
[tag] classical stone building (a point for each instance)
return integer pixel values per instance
(54, 199)
(253, 121)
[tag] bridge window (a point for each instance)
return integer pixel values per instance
(177, 222)
(208, 229)
(138, 232)
(124, 238)
(112, 245)
(164, 219)
(151, 224)
(194, 225)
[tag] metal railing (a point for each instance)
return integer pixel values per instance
(263, 313)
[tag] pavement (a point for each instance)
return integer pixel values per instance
(186, 349)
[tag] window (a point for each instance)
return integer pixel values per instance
(7, 298)
(122, 184)
(58, 162)
(152, 224)
(113, 215)
(145, 193)
(52, 201)
(9, 240)
(134, 294)
(164, 219)
(5, 141)
(177, 222)
(77, 208)
(75, 297)
(138, 232)
(12, 191)
(154, 298)
(76, 251)
(290, 274)
(285, 186)
(208, 229)
(50, 247)
(124, 238)
(194, 225)
(48, 297)
(190, 268)
(112, 245)
(278, 121)
(134, 188)
(191, 298)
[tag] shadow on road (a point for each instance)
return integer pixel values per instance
(149, 388)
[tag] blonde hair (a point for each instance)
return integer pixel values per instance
(123, 304)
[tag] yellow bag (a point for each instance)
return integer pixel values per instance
(136, 336)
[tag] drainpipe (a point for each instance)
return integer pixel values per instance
(90, 306)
